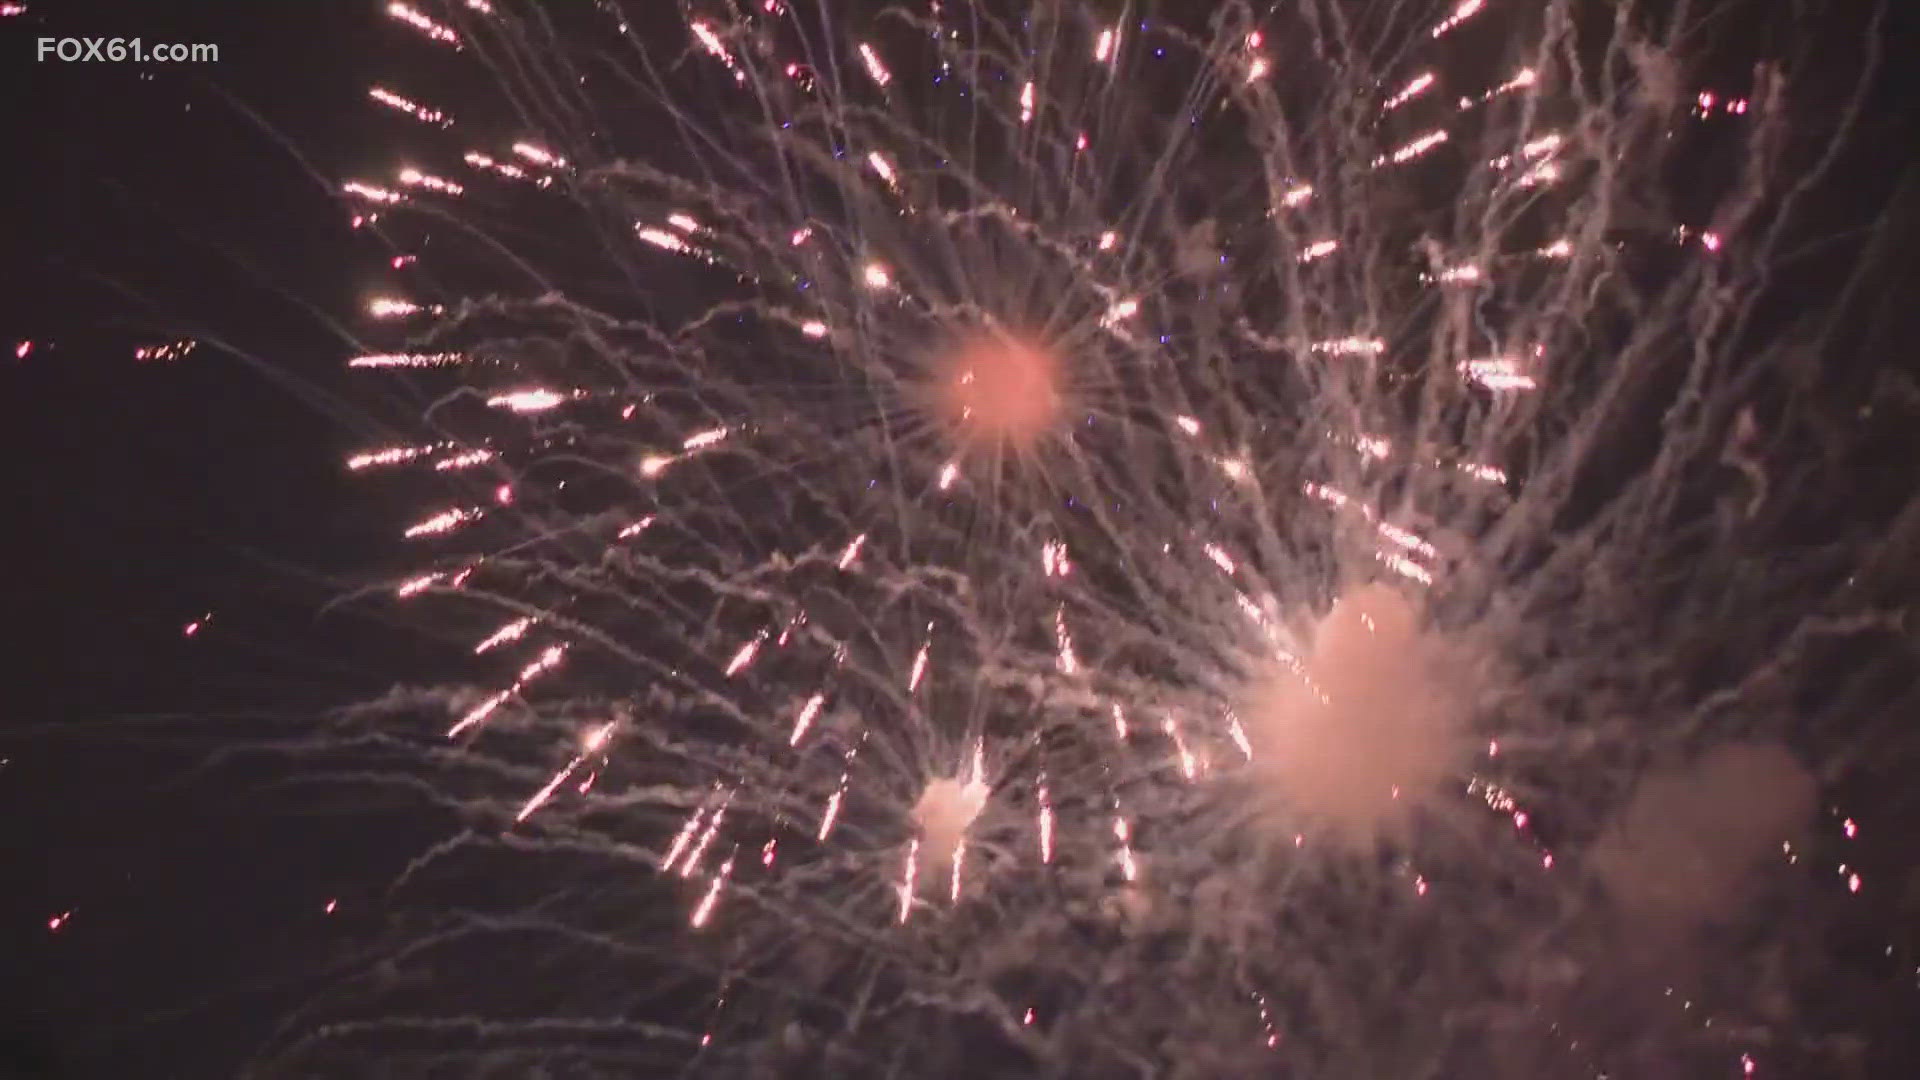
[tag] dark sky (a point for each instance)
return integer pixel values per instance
(148, 203)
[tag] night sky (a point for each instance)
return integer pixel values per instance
(149, 205)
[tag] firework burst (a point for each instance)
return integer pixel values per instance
(1110, 538)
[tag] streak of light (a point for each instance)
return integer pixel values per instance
(906, 878)
(434, 31)
(511, 632)
(594, 742)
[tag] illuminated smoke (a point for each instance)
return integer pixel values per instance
(1685, 848)
(946, 810)
(1369, 725)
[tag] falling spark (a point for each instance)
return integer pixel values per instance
(501, 168)
(1350, 346)
(1189, 765)
(433, 30)
(1414, 149)
(539, 155)
(1065, 660)
(393, 455)
(875, 68)
(465, 460)
(1123, 833)
(906, 878)
(1467, 10)
(805, 719)
(388, 307)
(833, 809)
(853, 551)
(1121, 311)
(1419, 85)
(547, 661)
(406, 360)
(528, 401)
(372, 192)
(1319, 249)
(412, 108)
(919, 664)
(683, 838)
(511, 632)
(705, 911)
(1046, 822)
(444, 522)
(1499, 374)
(745, 656)
(596, 740)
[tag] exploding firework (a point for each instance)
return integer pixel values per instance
(1088, 539)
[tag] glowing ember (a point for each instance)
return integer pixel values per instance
(1001, 390)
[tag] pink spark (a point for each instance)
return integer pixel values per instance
(59, 921)
(331, 905)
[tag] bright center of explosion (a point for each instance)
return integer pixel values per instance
(1365, 727)
(945, 811)
(1001, 390)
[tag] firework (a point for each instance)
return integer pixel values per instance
(1113, 536)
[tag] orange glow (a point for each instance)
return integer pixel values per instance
(1000, 389)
